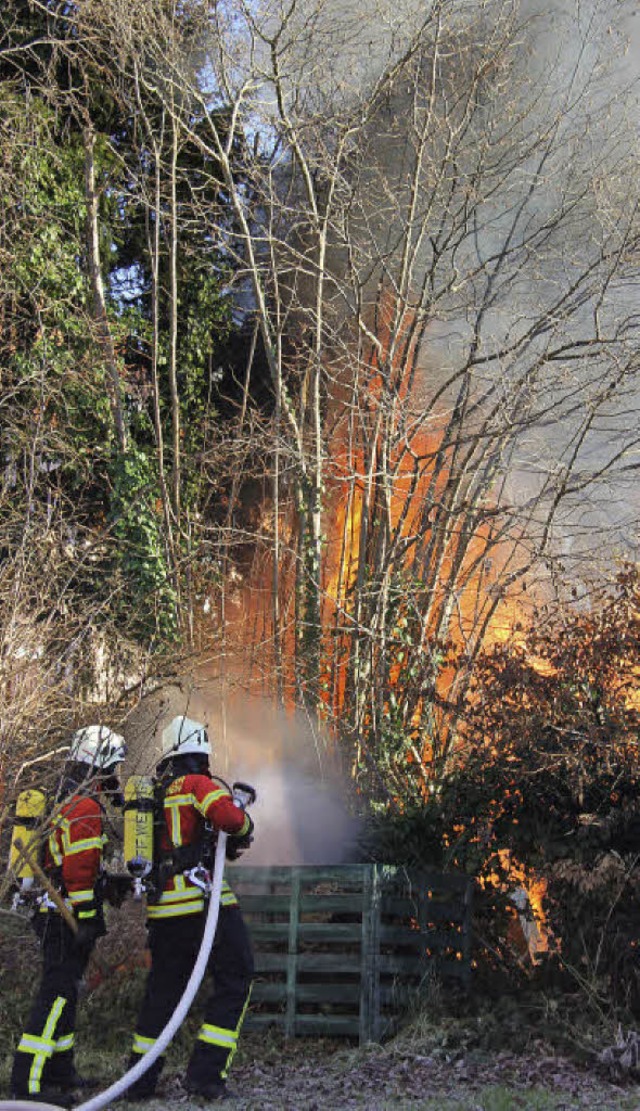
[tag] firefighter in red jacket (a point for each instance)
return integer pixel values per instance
(43, 1064)
(196, 805)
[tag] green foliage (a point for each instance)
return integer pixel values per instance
(147, 591)
(551, 736)
(411, 835)
(594, 911)
(58, 424)
(50, 383)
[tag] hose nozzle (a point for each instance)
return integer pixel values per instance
(244, 794)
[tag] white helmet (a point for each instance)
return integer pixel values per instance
(98, 746)
(183, 736)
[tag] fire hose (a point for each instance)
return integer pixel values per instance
(175, 1022)
(177, 1018)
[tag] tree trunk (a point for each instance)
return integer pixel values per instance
(105, 339)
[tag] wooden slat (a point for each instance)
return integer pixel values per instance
(338, 963)
(268, 992)
(243, 873)
(292, 962)
(326, 1025)
(373, 964)
(266, 904)
(262, 904)
(331, 932)
(255, 1021)
(339, 874)
(329, 993)
(331, 1025)
(374, 971)
(270, 932)
(367, 935)
(369, 957)
(338, 994)
(346, 902)
(271, 962)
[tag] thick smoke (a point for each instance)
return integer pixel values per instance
(575, 76)
(301, 814)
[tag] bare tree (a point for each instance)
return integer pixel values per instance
(436, 217)
(441, 258)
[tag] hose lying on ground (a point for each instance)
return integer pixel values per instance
(27, 1105)
(175, 1022)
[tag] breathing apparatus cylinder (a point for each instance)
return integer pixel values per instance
(243, 796)
(175, 1022)
(29, 812)
(139, 806)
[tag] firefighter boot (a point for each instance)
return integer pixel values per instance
(215, 1088)
(30, 1079)
(62, 1073)
(145, 1087)
(74, 1083)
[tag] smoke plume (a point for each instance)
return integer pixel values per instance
(302, 814)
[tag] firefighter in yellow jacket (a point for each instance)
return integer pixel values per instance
(196, 806)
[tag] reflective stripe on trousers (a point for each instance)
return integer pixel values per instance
(224, 1039)
(142, 1045)
(42, 1046)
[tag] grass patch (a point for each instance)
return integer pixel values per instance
(527, 1023)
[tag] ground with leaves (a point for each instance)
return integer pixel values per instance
(311, 1076)
(530, 1054)
(417, 1070)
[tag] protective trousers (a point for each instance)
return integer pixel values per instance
(174, 944)
(44, 1056)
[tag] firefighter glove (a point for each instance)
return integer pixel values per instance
(238, 843)
(116, 889)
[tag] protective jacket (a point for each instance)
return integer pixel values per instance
(195, 806)
(74, 853)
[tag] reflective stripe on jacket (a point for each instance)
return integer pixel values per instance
(75, 847)
(189, 802)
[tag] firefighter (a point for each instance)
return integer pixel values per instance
(196, 805)
(43, 1064)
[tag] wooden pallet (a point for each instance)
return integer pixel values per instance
(344, 950)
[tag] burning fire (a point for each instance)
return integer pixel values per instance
(391, 484)
(527, 895)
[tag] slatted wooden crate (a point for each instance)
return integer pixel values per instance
(343, 950)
